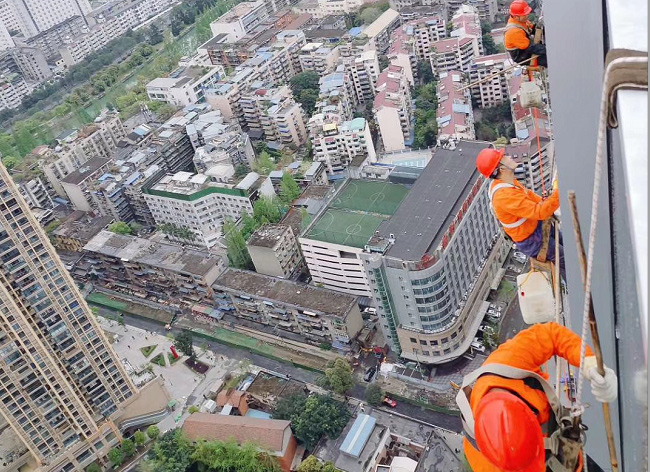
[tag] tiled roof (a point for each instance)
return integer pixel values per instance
(268, 434)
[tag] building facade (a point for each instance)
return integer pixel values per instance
(159, 271)
(430, 266)
(274, 251)
(393, 109)
(336, 143)
(494, 91)
(454, 115)
(61, 380)
(33, 16)
(185, 86)
(314, 315)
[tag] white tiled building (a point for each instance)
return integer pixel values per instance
(364, 70)
(184, 86)
(191, 201)
(454, 115)
(240, 20)
(337, 143)
(274, 250)
(393, 109)
(491, 92)
(31, 17)
(319, 58)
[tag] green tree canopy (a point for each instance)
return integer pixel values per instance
(116, 456)
(368, 15)
(236, 249)
(120, 227)
(374, 394)
(93, 467)
(339, 376)
(154, 35)
(153, 432)
(264, 164)
(10, 162)
(304, 81)
(289, 189)
(128, 448)
(172, 452)
(139, 438)
(489, 45)
(311, 464)
(267, 210)
(185, 342)
(322, 415)
(228, 456)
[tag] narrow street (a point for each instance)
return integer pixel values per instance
(442, 420)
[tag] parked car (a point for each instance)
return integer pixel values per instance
(370, 373)
(477, 346)
(390, 402)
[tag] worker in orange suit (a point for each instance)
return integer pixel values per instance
(519, 33)
(519, 210)
(511, 400)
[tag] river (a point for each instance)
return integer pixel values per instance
(188, 44)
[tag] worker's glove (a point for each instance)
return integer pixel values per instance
(604, 388)
(555, 184)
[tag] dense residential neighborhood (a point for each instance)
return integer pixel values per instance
(252, 235)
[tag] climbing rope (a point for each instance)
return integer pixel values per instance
(602, 129)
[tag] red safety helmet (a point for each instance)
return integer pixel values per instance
(508, 433)
(520, 8)
(488, 160)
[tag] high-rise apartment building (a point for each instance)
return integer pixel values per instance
(61, 385)
(31, 17)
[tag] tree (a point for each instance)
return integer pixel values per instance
(185, 343)
(289, 189)
(240, 171)
(154, 35)
(193, 409)
(369, 15)
(135, 227)
(304, 81)
(485, 132)
(153, 432)
(93, 467)
(311, 464)
(267, 210)
(10, 162)
(424, 72)
(172, 452)
(236, 249)
(228, 456)
(128, 448)
(288, 407)
(139, 438)
(489, 45)
(374, 394)
(116, 456)
(339, 376)
(120, 227)
(264, 164)
(322, 415)
(308, 99)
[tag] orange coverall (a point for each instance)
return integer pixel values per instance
(516, 38)
(511, 204)
(528, 350)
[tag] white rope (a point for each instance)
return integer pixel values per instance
(602, 128)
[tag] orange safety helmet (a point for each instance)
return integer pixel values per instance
(520, 8)
(508, 433)
(488, 160)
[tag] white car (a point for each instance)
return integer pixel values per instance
(477, 347)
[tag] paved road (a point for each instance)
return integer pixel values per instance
(452, 423)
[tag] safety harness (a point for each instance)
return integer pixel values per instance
(546, 224)
(511, 26)
(563, 451)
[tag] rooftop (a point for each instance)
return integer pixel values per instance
(356, 212)
(299, 295)
(78, 227)
(268, 434)
(164, 256)
(238, 11)
(267, 236)
(86, 171)
(381, 23)
(423, 217)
